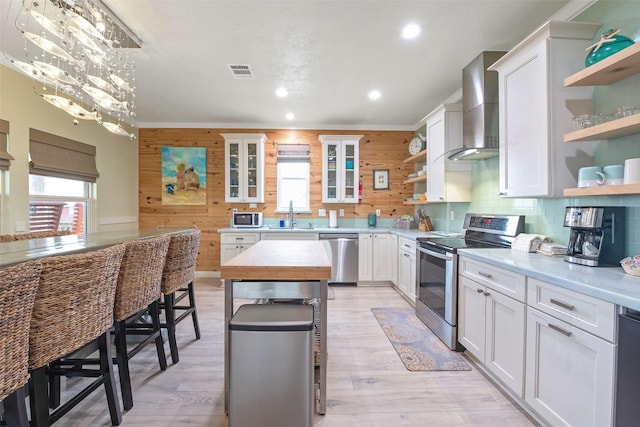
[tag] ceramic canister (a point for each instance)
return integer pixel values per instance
(614, 174)
(632, 171)
(591, 176)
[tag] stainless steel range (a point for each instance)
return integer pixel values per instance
(437, 275)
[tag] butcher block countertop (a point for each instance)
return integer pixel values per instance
(280, 260)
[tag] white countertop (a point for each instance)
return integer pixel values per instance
(407, 233)
(610, 284)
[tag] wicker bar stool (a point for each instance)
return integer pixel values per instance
(137, 294)
(177, 277)
(18, 285)
(73, 307)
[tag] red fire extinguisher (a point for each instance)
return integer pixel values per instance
(360, 192)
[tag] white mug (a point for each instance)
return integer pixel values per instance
(632, 171)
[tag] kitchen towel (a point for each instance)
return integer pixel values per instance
(528, 242)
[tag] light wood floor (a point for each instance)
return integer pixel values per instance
(367, 383)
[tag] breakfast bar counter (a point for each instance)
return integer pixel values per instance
(283, 269)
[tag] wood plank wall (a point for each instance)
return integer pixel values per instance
(378, 150)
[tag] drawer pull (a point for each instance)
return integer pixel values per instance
(239, 238)
(562, 304)
(483, 274)
(559, 329)
(479, 291)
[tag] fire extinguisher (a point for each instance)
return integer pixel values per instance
(360, 192)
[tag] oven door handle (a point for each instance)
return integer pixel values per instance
(446, 257)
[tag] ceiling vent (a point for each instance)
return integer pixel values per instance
(241, 72)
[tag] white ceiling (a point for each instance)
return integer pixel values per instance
(328, 54)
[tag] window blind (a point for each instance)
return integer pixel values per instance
(5, 157)
(53, 155)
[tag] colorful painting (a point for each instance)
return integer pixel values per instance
(184, 176)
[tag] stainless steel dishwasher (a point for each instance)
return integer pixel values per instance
(342, 249)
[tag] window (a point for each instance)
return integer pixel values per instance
(58, 204)
(61, 175)
(293, 173)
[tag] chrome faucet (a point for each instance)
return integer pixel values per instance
(290, 215)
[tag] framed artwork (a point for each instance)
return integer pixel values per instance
(381, 179)
(184, 176)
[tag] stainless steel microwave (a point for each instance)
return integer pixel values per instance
(247, 219)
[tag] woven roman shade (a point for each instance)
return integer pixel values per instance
(5, 157)
(53, 155)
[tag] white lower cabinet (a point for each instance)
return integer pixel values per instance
(569, 372)
(231, 244)
(407, 268)
(492, 327)
(393, 260)
(375, 252)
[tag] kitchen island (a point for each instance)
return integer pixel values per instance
(280, 269)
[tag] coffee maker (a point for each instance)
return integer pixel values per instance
(597, 236)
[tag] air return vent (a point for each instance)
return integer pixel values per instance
(241, 72)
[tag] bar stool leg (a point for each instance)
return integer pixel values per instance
(15, 409)
(122, 359)
(38, 397)
(154, 311)
(106, 367)
(192, 306)
(169, 301)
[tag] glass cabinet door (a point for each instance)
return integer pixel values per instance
(244, 171)
(340, 176)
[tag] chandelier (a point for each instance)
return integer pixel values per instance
(82, 54)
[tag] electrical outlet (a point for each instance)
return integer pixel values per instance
(377, 212)
(322, 212)
(452, 215)
(341, 212)
(253, 205)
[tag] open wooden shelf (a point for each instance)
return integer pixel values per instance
(603, 190)
(414, 202)
(420, 157)
(415, 179)
(609, 130)
(611, 69)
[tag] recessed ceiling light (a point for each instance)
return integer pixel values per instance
(290, 116)
(411, 31)
(374, 94)
(282, 92)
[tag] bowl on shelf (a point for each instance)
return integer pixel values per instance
(610, 42)
(631, 265)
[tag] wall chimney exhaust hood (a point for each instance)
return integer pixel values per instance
(480, 130)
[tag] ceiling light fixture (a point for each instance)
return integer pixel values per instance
(80, 52)
(374, 94)
(290, 116)
(411, 31)
(282, 92)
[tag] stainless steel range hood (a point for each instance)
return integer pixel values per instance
(479, 109)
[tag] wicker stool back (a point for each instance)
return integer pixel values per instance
(18, 285)
(73, 307)
(178, 275)
(138, 293)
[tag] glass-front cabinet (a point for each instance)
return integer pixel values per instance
(340, 163)
(244, 167)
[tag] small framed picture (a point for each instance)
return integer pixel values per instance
(381, 179)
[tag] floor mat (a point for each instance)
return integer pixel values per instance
(418, 348)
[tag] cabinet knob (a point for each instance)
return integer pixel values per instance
(486, 294)
(479, 291)
(502, 193)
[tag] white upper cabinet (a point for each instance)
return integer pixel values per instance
(244, 167)
(447, 180)
(536, 110)
(340, 168)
